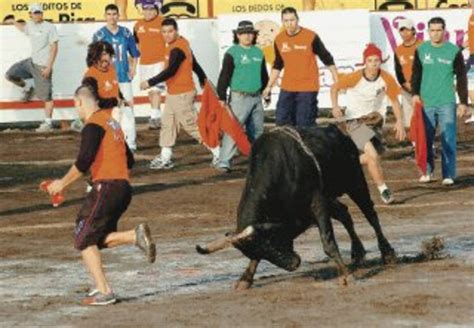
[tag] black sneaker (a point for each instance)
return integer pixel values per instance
(387, 196)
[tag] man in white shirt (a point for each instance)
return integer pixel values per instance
(39, 67)
(366, 90)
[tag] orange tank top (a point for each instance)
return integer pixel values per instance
(182, 81)
(106, 81)
(150, 41)
(110, 162)
(301, 72)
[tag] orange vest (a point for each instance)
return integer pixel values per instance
(182, 81)
(406, 56)
(301, 69)
(110, 162)
(150, 41)
(470, 34)
(106, 81)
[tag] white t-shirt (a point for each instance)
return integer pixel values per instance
(41, 35)
(365, 96)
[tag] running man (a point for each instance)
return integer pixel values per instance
(148, 35)
(178, 112)
(366, 90)
(104, 152)
(124, 44)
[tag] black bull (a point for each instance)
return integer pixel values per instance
(293, 182)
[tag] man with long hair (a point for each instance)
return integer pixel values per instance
(244, 71)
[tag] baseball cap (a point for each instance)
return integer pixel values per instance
(405, 23)
(36, 7)
(150, 4)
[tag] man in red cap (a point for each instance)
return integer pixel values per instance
(366, 89)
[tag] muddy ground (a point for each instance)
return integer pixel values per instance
(42, 280)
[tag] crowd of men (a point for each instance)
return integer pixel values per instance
(425, 74)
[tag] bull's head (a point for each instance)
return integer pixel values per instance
(254, 244)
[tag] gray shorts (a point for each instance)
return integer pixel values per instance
(26, 69)
(360, 133)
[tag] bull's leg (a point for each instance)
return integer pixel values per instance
(339, 212)
(321, 208)
(246, 280)
(361, 196)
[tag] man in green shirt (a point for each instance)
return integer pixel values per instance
(436, 63)
(244, 72)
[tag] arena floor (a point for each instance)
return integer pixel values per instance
(42, 280)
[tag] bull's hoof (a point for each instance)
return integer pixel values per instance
(358, 256)
(201, 250)
(389, 257)
(242, 284)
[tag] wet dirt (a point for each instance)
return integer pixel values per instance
(42, 280)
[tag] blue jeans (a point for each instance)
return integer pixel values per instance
(445, 117)
(249, 111)
(297, 108)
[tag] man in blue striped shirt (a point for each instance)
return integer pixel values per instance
(123, 42)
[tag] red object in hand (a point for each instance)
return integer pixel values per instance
(56, 199)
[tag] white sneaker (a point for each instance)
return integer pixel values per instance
(426, 178)
(154, 124)
(470, 120)
(77, 125)
(45, 127)
(447, 182)
(158, 164)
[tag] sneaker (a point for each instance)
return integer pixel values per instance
(447, 182)
(426, 178)
(144, 241)
(223, 169)
(28, 94)
(215, 161)
(158, 164)
(387, 196)
(100, 299)
(93, 292)
(77, 125)
(45, 127)
(470, 120)
(154, 124)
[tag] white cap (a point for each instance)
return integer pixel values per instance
(405, 23)
(36, 7)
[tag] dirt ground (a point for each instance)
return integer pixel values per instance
(42, 280)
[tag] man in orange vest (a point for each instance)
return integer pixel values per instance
(296, 49)
(178, 74)
(152, 46)
(104, 152)
(404, 57)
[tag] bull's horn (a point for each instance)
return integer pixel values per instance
(225, 242)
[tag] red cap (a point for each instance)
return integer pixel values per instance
(372, 50)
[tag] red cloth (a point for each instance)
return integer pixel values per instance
(418, 136)
(214, 118)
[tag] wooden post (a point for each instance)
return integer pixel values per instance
(210, 8)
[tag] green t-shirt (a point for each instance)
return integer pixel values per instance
(437, 82)
(247, 68)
